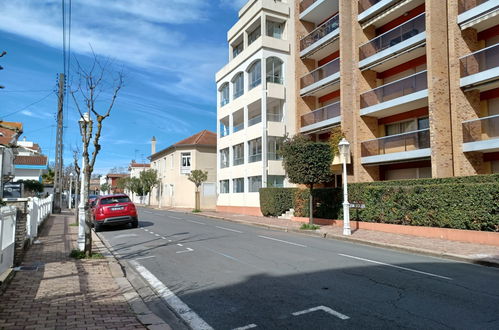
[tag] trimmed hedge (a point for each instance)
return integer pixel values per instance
(276, 201)
(327, 202)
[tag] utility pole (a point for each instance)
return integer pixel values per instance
(59, 149)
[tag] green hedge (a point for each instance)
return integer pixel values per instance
(327, 202)
(276, 201)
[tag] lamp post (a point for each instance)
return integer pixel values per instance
(84, 122)
(344, 148)
(70, 199)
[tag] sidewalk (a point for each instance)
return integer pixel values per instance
(61, 292)
(468, 252)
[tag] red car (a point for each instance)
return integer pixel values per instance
(114, 210)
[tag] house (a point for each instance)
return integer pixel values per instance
(135, 169)
(9, 133)
(112, 180)
(29, 163)
(173, 164)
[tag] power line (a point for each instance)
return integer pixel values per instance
(26, 91)
(29, 105)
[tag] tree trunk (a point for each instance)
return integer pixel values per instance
(88, 217)
(77, 190)
(198, 202)
(311, 205)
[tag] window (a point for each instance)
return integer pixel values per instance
(185, 165)
(224, 158)
(255, 74)
(274, 144)
(254, 183)
(255, 150)
(275, 181)
(238, 154)
(238, 84)
(224, 186)
(274, 70)
(237, 49)
(114, 200)
(275, 112)
(275, 29)
(171, 163)
(253, 35)
(238, 185)
(224, 94)
(224, 126)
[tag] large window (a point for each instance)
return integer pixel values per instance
(255, 74)
(224, 186)
(274, 145)
(255, 34)
(274, 70)
(238, 154)
(255, 150)
(238, 85)
(275, 181)
(237, 49)
(238, 185)
(224, 94)
(275, 29)
(224, 158)
(254, 183)
(275, 112)
(185, 165)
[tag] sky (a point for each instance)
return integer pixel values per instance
(169, 51)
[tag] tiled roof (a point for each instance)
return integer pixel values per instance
(9, 131)
(30, 160)
(117, 175)
(139, 165)
(204, 137)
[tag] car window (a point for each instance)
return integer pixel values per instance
(113, 200)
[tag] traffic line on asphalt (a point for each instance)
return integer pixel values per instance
(141, 258)
(171, 216)
(249, 326)
(187, 250)
(324, 309)
(236, 231)
(200, 223)
(187, 314)
(147, 212)
(394, 266)
(157, 235)
(280, 240)
(179, 244)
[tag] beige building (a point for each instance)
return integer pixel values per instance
(255, 110)
(173, 164)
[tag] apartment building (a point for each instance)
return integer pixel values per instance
(255, 109)
(413, 84)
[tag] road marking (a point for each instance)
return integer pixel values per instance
(398, 267)
(171, 216)
(201, 223)
(179, 244)
(144, 258)
(322, 308)
(125, 235)
(249, 326)
(169, 240)
(146, 229)
(163, 237)
(236, 231)
(226, 256)
(148, 212)
(188, 250)
(157, 235)
(188, 315)
(280, 240)
(151, 232)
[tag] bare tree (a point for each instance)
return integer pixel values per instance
(94, 81)
(76, 158)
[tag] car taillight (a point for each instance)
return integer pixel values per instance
(100, 210)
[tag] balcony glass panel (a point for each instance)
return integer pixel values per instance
(402, 87)
(484, 59)
(396, 143)
(321, 114)
(320, 32)
(276, 117)
(320, 73)
(366, 4)
(255, 158)
(304, 4)
(238, 127)
(395, 36)
(255, 120)
(481, 129)
(465, 5)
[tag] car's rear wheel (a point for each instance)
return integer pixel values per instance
(135, 223)
(97, 227)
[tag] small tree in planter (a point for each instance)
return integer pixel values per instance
(198, 177)
(306, 162)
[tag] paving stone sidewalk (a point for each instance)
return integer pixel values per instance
(62, 292)
(468, 252)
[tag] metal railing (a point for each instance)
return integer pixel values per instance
(409, 141)
(255, 120)
(238, 127)
(393, 37)
(238, 161)
(224, 102)
(366, 4)
(273, 156)
(304, 4)
(479, 61)
(255, 158)
(255, 83)
(481, 129)
(320, 32)
(321, 114)
(320, 73)
(275, 79)
(465, 5)
(238, 93)
(405, 86)
(276, 117)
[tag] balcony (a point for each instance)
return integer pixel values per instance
(238, 127)
(321, 78)
(403, 95)
(370, 8)
(481, 134)
(394, 148)
(481, 69)
(254, 158)
(321, 118)
(323, 35)
(478, 14)
(317, 11)
(255, 120)
(400, 42)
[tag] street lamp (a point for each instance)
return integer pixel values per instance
(70, 201)
(344, 148)
(85, 122)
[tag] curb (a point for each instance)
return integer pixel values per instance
(5, 279)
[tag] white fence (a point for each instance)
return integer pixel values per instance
(7, 237)
(38, 210)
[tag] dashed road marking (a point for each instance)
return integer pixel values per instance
(157, 235)
(187, 250)
(148, 257)
(280, 240)
(171, 216)
(322, 308)
(249, 326)
(201, 223)
(236, 231)
(179, 244)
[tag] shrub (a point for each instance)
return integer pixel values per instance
(276, 201)
(327, 202)
(307, 226)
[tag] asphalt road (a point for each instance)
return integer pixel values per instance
(225, 275)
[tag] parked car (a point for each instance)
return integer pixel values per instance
(114, 210)
(92, 199)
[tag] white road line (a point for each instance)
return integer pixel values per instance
(201, 223)
(163, 237)
(157, 235)
(279, 240)
(144, 258)
(249, 326)
(322, 308)
(188, 250)
(226, 256)
(171, 216)
(146, 229)
(151, 232)
(148, 212)
(398, 267)
(169, 240)
(236, 231)
(188, 315)
(179, 244)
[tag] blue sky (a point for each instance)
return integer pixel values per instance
(170, 51)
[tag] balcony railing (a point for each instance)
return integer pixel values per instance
(277, 117)
(481, 129)
(224, 131)
(465, 5)
(276, 79)
(238, 127)
(410, 141)
(255, 83)
(238, 161)
(255, 158)
(304, 4)
(479, 61)
(405, 86)
(320, 73)
(320, 32)
(224, 163)
(395, 36)
(224, 102)
(366, 4)
(255, 120)
(321, 114)
(238, 93)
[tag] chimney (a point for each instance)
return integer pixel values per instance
(153, 145)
